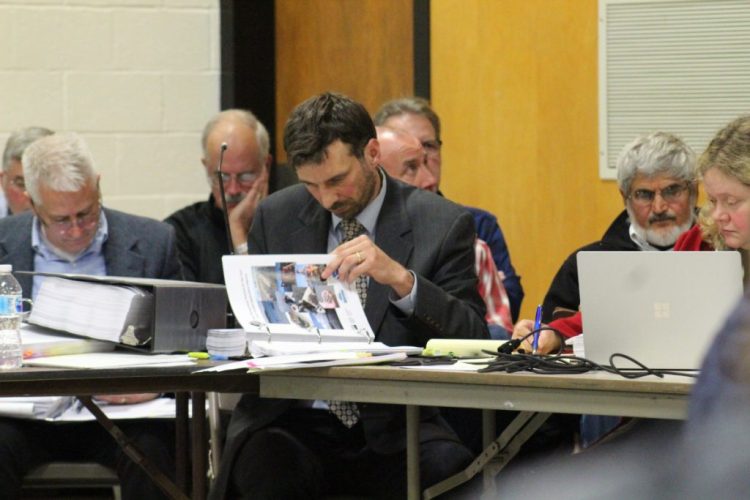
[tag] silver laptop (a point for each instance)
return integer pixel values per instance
(661, 308)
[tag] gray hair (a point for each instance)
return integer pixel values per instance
(242, 116)
(654, 154)
(19, 141)
(414, 105)
(60, 162)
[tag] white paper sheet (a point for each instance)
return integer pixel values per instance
(111, 360)
(308, 360)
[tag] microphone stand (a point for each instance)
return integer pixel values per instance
(230, 319)
(224, 197)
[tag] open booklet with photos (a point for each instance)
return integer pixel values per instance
(282, 298)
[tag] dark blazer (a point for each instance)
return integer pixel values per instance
(427, 234)
(202, 235)
(135, 247)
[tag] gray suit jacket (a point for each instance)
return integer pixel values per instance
(425, 233)
(135, 247)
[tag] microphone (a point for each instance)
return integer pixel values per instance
(222, 149)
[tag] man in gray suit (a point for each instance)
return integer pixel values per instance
(70, 231)
(414, 257)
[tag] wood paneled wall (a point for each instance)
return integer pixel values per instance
(515, 84)
(362, 48)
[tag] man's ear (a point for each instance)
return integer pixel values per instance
(624, 198)
(268, 162)
(372, 152)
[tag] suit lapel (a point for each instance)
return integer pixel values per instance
(311, 236)
(119, 255)
(393, 236)
(18, 252)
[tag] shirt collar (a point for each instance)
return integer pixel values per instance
(41, 245)
(368, 217)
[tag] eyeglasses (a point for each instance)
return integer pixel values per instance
(432, 146)
(669, 194)
(84, 221)
(245, 179)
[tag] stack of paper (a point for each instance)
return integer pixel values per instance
(259, 349)
(226, 342)
(96, 310)
(69, 409)
(156, 408)
(38, 341)
(38, 407)
(104, 360)
(294, 318)
(309, 360)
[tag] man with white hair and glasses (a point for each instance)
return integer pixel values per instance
(658, 187)
(247, 175)
(69, 231)
(657, 182)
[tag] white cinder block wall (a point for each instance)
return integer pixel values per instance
(137, 79)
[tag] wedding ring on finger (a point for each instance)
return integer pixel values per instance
(360, 259)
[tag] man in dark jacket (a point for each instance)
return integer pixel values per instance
(415, 254)
(658, 187)
(248, 176)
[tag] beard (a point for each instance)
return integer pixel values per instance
(662, 237)
(347, 209)
(235, 198)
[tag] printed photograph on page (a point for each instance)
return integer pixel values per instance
(285, 294)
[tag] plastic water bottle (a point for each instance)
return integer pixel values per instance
(10, 319)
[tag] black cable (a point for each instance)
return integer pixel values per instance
(511, 360)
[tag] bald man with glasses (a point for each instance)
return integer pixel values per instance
(415, 116)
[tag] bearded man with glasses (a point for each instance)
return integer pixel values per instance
(657, 182)
(656, 179)
(68, 231)
(247, 176)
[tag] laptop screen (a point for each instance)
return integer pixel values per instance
(661, 308)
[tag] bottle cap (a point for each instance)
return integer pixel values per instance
(6, 268)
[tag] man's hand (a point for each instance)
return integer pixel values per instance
(126, 399)
(361, 256)
(548, 341)
(241, 216)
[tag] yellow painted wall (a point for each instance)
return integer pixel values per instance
(515, 84)
(362, 48)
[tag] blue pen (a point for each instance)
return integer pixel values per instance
(537, 326)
